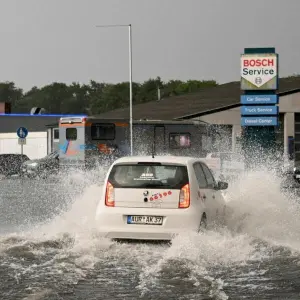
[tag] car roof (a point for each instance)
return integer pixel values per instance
(184, 160)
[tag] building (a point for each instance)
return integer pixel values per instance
(221, 105)
(218, 105)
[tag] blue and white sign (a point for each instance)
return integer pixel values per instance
(22, 132)
(259, 110)
(259, 99)
(259, 121)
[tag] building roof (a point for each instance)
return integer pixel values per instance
(11, 122)
(205, 101)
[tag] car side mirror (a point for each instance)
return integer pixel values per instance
(222, 185)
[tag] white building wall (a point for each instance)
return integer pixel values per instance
(36, 144)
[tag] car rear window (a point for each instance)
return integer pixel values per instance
(148, 176)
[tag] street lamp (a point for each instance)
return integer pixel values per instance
(130, 77)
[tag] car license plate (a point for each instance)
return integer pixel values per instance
(145, 220)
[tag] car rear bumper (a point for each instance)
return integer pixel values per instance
(112, 223)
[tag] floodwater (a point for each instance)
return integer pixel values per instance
(49, 248)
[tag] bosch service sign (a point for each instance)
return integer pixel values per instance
(259, 71)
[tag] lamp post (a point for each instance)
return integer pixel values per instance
(130, 76)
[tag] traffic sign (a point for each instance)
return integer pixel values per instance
(259, 121)
(22, 132)
(259, 99)
(22, 141)
(259, 110)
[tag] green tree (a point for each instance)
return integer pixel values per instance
(10, 93)
(117, 96)
(95, 97)
(169, 88)
(148, 90)
(78, 99)
(191, 86)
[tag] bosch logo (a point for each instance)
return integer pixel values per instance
(146, 193)
(258, 80)
(261, 70)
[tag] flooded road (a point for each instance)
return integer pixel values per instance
(49, 248)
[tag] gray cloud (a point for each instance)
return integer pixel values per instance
(56, 40)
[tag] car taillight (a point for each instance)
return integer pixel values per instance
(109, 195)
(184, 197)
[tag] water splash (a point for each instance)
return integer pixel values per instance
(260, 216)
(259, 207)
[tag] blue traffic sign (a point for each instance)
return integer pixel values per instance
(22, 132)
(259, 110)
(259, 121)
(259, 99)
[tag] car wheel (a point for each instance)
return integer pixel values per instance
(203, 223)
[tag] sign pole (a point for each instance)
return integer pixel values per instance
(259, 99)
(22, 164)
(22, 133)
(130, 78)
(130, 89)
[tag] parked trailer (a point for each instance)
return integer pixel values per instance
(86, 141)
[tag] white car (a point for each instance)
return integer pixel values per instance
(157, 198)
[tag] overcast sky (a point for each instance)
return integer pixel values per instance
(57, 40)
